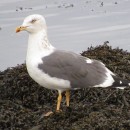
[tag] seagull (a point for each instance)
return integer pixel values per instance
(59, 69)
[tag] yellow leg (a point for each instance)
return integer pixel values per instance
(59, 99)
(67, 97)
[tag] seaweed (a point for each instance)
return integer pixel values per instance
(23, 102)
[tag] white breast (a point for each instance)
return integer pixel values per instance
(45, 80)
(37, 49)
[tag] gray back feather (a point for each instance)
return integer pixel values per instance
(73, 67)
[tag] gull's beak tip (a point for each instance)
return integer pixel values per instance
(20, 28)
(17, 29)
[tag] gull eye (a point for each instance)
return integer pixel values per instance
(33, 20)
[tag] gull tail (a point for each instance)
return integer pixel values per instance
(120, 83)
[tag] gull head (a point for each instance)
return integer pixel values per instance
(33, 24)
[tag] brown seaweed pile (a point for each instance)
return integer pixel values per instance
(23, 102)
(117, 60)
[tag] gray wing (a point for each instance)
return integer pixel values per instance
(73, 67)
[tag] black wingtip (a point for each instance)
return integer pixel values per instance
(120, 83)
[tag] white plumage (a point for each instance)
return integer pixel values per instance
(57, 69)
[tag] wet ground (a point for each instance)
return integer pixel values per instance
(72, 25)
(23, 102)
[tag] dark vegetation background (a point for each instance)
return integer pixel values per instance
(23, 102)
